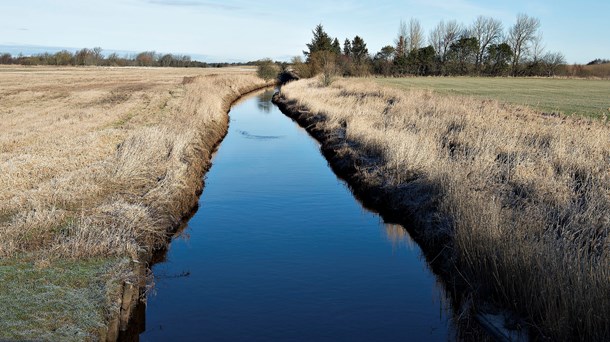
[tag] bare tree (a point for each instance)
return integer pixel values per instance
(537, 48)
(520, 37)
(443, 35)
(80, 55)
(435, 38)
(487, 31)
(113, 59)
(6, 58)
(300, 68)
(166, 60)
(402, 31)
(97, 55)
(415, 38)
(63, 57)
(327, 63)
(185, 60)
(552, 62)
(399, 42)
(146, 58)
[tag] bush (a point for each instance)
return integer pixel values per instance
(326, 63)
(266, 69)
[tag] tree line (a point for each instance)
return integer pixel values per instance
(94, 57)
(483, 48)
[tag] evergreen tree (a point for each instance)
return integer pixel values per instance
(497, 59)
(336, 46)
(360, 57)
(382, 62)
(400, 57)
(401, 49)
(426, 60)
(359, 51)
(347, 47)
(320, 42)
(462, 55)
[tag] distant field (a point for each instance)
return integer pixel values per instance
(567, 96)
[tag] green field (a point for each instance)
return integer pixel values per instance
(567, 96)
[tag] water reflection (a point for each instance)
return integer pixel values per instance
(264, 103)
(249, 135)
(398, 236)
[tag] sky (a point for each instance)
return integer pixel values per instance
(240, 30)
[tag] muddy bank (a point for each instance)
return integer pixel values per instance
(415, 206)
(120, 325)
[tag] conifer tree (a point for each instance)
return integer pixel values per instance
(320, 42)
(400, 57)
(400, 50)
(359, 51)
(360, 57)
(336, 46)
(347, 47)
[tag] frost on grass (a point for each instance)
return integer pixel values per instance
(67, 300)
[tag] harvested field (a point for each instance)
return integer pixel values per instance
(104, 162)
(516, 202)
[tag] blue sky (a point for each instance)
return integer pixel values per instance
(249, 30)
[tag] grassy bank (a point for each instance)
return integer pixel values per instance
(565, 96)
(100, 164)
(65, 300)
(516, 203)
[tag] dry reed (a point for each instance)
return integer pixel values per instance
(103, 161)
(521, 200)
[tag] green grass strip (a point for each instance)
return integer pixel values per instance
(63, 300)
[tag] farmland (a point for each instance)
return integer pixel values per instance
(583, 97)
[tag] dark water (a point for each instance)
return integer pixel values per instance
(279, 250)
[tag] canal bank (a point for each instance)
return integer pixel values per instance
(280, 249)
(127, 305)
(414, 206)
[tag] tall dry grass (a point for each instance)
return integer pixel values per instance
(521, 200)
(588, 71)
(102, 161)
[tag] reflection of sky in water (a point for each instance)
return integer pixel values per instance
(280, 250)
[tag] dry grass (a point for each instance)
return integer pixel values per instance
(102, 161)
(522, 199)
(97, 165)
(590, 71)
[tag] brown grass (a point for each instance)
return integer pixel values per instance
(103, 161)
(522, 200)
(589, 71)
